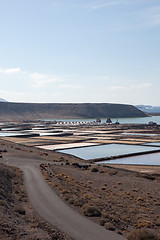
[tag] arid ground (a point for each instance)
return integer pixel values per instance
(119, 198)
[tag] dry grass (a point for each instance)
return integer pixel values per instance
(142, 234)
(123, 200)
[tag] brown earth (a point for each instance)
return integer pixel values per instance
(121, 200)
(20, 221)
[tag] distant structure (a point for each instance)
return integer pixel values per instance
(152, 124)
(117, 122)
(108, 120)
(98, 120)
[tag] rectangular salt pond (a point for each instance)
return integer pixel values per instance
(146, 159)
(107, 150)
(67, 145)
(152, 144)
(10, 134)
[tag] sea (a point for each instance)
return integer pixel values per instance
(140, 120)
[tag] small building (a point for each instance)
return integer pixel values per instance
(98, 120)
(152, 124)
(108, 120)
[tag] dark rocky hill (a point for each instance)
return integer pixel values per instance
(26, 111)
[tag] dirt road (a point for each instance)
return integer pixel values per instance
(51, 208)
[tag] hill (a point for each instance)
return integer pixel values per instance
(149, 109)
(2, 100)
(27, 111)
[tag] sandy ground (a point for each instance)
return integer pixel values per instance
(136, 168)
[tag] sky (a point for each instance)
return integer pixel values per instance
(75, 51)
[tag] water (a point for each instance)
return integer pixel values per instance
(152, 144)
(107, 150)
(147, 159)
(10, 134)
(7, 134)
(143, 120)
(138, 134)
(11, 129)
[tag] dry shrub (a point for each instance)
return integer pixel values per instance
(79, 202)
(102, 222)
(143, 223)
(20, 210)
(94, 169)
(71, 201)
(89, 181)
(65, 191)
(112, 173)
(66, 197)
(140, 199)
(157, 222)
(142, 234)
(3, 203)
(109, 226)
(91, 211)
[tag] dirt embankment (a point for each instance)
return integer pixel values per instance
(18, 219)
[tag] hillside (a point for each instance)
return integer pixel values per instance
(2, 100)
(11, 111)
(149, 109)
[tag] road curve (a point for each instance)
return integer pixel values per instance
(51, 208)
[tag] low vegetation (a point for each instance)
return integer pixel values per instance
(142, 234)
(119, 200)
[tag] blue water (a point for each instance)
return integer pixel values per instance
(152, 144)
(147, 159)
(144, 120)
(11, 134)
(8, 134)
(106, 150)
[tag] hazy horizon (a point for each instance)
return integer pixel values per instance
(102, 51)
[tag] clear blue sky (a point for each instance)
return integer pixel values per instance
(80, 51)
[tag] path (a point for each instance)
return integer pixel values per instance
(51, 208)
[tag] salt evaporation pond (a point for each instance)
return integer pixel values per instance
(107, 150)
(152, 144)
(9, 134)
(147, 159)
